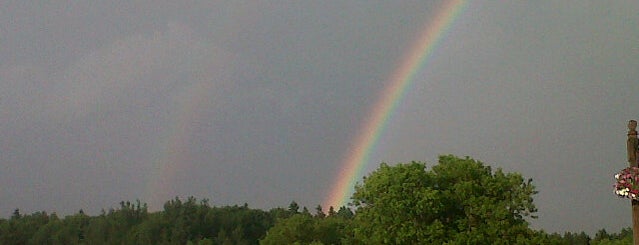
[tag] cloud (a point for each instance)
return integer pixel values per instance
(120, 72)
(20, 91)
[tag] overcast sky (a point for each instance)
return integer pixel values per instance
(259, 101)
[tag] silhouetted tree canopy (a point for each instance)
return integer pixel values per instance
(456, 201)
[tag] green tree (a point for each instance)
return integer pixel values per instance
(332, 230)
(459, 201)
(298, 228)
(305, 211)
(576, 238)
(21, 229)
(331, 211)
(604, 238)
(294, 208)
(319, 213)
(308, 229)
(345, 212)
(602, 235)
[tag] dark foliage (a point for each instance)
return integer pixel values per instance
(459, 201)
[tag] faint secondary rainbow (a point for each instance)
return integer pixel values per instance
(357, 157)
(172, 150)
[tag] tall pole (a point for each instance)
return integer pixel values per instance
(633, 147)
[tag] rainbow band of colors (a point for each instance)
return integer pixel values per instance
(358, 156)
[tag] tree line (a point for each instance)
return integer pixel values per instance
(457, 201)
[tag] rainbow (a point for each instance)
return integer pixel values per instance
(358, 155)
(172, 145)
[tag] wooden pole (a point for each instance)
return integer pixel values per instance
(633, 147)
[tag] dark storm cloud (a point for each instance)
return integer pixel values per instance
(90, 93)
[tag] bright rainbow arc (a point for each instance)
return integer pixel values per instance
(399, 81)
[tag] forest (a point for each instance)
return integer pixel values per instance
(456, 201)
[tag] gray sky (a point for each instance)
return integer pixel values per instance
(259, 102)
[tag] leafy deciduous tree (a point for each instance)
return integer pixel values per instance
(460, 201)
